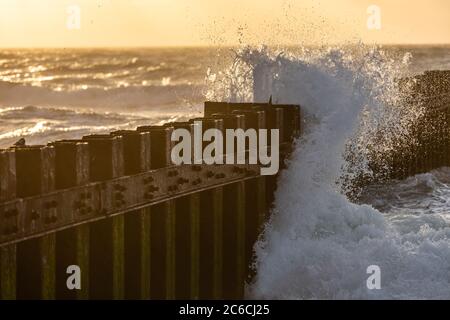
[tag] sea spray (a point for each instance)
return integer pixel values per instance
(318, 244)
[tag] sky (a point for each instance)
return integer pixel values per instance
(142, 23)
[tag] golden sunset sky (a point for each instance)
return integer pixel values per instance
(118, 23)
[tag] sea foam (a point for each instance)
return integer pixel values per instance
(318, 244)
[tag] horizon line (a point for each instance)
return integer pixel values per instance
(204, 46)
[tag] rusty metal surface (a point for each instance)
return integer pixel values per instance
(25, 218)
(117, 166)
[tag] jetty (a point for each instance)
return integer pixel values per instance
(136, 226)
(139, 227)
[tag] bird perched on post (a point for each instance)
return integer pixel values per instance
(20, 143)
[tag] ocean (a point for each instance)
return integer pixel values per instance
(52, 94)
(318, 244)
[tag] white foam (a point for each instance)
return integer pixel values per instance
(318, 244)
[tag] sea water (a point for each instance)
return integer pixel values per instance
(318, 244)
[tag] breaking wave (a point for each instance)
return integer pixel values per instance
(319, 244)
(124, 99)
(39, 125)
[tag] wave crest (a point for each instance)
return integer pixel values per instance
(318, 244)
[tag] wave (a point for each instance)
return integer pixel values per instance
(318, 244)
(39, 125)
(124, 99)
(423, 194)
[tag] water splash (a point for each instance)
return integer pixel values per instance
(319, 244)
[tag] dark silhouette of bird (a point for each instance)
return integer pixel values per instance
(20, 143)
(270, 100)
